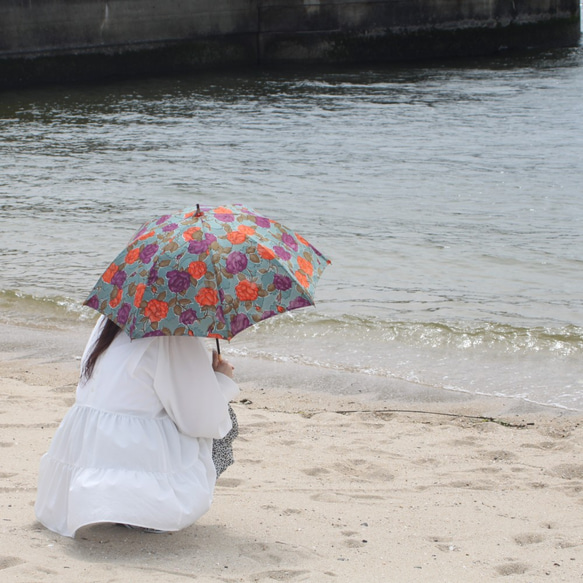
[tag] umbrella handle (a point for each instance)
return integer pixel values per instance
(218, 347)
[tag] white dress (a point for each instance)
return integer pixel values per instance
(136, 446)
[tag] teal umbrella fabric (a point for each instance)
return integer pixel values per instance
(210, 272)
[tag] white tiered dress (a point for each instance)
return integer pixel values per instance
(136, 447)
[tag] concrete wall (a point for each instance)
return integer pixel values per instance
(43, 40)
(43, 25)
(411, 29)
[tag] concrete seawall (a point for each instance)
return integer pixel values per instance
(62, 40)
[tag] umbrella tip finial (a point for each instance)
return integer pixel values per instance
(198, 211)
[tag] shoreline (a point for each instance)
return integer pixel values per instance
(320, 491)
(66, 343)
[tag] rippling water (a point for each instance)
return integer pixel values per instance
(448, 197)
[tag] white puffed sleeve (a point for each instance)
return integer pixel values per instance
(195, 396)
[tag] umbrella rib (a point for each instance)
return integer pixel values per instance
(214, 266)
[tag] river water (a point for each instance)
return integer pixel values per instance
(447, 195)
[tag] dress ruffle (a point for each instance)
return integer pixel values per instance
(140, 471)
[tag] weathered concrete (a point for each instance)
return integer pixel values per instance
(65, 40)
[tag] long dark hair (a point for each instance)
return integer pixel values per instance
(109, 331)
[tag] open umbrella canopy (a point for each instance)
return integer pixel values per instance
(207, 272)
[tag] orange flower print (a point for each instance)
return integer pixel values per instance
(305, 266)
(132, 256)
(140, 289)
(188, 235)
(146, 235)
(265, 253)
(197, 269)
(207, 297)
(236, 237)
(247, 291)
(156, 310)
(302, 240)
(302, 279)
(246, 230)
(109, 273)
(114, 303)
(221, 210)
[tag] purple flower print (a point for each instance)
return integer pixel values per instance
(282, 253)
(220, 314)
(268, 314)
(298, 302)
(152, 276)
(188, 317)
(282, 282)
(198, 247)
(224, 217)
(119, 278)
(170, 227)
(154, 333)
(178, 281)
(123, 314)
(239, 323)
(162, 219)
(148, 252)
(236, 262)
(262, 222)
(289, 241)
(93, 302)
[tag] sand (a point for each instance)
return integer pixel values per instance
(325, 488)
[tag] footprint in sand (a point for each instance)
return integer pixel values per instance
(363, 470)
(439, 539)
(511, 569)
(351, 542)
(282, 575)
(316, 471)
(290, 511)
(528, 539)
(489, 470)
(565, 544)
(228, 482)
(7, 562)
(273, 555)
(474, 485)
(332, 497)
(464, 442)
(569, 471)
(542, 445)
(498, 456)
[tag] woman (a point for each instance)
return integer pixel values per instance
(137, 446)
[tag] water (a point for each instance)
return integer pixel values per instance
(447, 195)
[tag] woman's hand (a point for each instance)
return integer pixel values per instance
(221, 365)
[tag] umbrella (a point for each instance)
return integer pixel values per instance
(210, 272)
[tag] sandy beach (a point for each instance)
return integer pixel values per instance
(325, 488)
